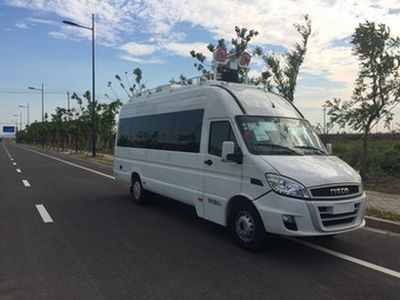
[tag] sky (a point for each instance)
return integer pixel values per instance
(157, 35)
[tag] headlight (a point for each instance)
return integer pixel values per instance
(286, 186)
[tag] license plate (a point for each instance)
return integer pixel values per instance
(343, 208)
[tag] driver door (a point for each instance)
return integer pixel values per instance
(222, 179)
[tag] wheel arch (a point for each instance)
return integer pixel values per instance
(134, 174)
(235, 201)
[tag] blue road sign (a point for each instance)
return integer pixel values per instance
(8, 129)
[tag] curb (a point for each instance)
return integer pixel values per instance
(383, 224)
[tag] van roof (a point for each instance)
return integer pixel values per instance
(251, 100)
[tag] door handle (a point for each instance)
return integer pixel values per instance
(208, 162)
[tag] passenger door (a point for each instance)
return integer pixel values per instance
(222, 179)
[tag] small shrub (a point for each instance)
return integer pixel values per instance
(390, 161)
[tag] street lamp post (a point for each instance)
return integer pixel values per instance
(16, 125)
(93, 79)
(42, 90)
(20, 120)
(27, 112)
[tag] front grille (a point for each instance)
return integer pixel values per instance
(335, 191)
(329, 219)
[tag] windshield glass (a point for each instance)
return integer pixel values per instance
(279, 136)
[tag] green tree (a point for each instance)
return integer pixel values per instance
(282, 70)
(239, 44)
(129, 88)
(106, 124)
(376, 87)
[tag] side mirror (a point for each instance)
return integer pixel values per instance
(227, 148)
(329, 148)
(229, 154)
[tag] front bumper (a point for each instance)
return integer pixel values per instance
(312, 217)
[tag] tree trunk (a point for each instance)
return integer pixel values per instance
(364, 163)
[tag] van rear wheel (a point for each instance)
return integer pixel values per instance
(247, 227)
(137, 192)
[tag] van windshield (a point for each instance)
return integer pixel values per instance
(279, 136)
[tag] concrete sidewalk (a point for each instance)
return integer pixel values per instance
(382, 201)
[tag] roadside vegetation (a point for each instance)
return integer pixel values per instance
(376, 89)
(387, 215)
(384, 158)
(72, 129)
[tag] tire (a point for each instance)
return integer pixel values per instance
(247, 228)
(137, 192)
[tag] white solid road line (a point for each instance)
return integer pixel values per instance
(70, 163)
(347, 257)
(304, 243)
(18, 171)
(44, 214)
(26, 183)
(5, 149)
(380, 231)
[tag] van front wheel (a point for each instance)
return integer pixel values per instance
(247, 227)
(137, 192)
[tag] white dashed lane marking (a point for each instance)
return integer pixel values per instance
(8, 153)
(26, 183)
(14, 163)
(44, 214)
(18, 171)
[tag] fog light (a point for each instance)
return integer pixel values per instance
(290, 222)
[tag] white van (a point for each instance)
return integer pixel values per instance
(243, 157)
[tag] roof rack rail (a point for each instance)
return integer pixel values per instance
(197, 80)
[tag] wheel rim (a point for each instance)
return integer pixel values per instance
(137, 190)
(245, 227)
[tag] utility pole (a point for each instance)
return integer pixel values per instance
(93, 108)
(68, 108)
(20, 119)
(68, 118)
(27, 112)
(42, 90)
(42, 102)
(93, 91)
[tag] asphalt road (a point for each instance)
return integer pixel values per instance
(95, 243)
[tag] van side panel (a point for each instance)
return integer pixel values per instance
(177, 175)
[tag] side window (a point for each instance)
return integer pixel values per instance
(220, 132)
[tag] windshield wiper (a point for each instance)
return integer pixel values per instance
(310, 148)
(279, 147)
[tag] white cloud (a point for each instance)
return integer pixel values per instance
(254, 74)
(144, 60)
(41, 21)
(21, 25)
(183, 49)
(159, 22)
(137, 49)
(58, 35)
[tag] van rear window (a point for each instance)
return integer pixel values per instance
(177, 131)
